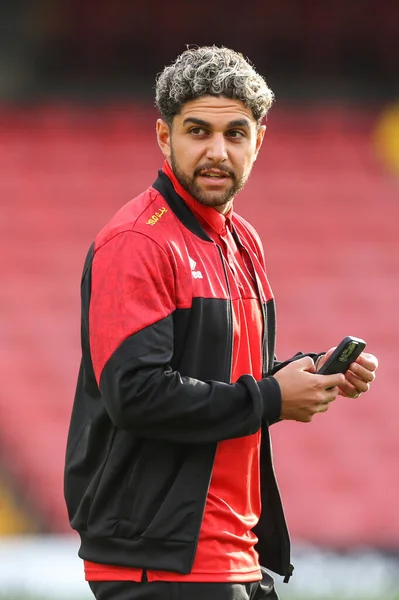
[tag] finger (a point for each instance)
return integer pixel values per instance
(368, 361)
(306, 363)
(362, 372)
(348, 390)
(331, 381)
(359, 385)
(329, 396)
(353, 394)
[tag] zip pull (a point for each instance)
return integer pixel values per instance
(289, 574)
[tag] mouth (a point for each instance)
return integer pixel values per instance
(214, 176)
(213, 173)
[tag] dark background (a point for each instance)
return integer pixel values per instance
(100, 49)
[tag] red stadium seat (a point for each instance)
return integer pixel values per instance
(328, 218)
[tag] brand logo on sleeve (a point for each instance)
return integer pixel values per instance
(195, 274)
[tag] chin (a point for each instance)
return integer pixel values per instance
(214, 201)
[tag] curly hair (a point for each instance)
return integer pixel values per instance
(214, 71)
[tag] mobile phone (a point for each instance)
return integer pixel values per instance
(344, 354)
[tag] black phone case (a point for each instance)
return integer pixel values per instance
(345, 353)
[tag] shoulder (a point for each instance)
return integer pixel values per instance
(148, 215)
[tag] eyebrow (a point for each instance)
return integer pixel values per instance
(236, 123)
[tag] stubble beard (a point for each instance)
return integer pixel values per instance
(214, 199)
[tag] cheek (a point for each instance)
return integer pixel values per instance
(186, 155)
(244, 161)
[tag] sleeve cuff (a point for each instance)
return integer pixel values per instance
(271, 398)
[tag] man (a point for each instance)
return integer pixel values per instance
(169, 478)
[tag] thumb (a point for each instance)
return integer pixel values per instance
(306, 364)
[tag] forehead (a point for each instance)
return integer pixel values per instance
(217, 110)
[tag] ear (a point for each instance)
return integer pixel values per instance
(259, 139)
(163, 137)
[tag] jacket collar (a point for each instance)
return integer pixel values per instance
(165, 187)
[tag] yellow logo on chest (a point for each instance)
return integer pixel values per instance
(153, 220)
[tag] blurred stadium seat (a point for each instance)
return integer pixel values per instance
(328, 219)
(13, 519)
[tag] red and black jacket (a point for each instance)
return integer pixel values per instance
(154, 394)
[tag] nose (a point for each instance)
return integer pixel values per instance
(216, 150)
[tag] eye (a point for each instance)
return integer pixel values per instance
(236, 134)
(197, 131)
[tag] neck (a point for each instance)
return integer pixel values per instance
(224, 209)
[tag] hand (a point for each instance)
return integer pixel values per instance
(358, 377)
(303, 392)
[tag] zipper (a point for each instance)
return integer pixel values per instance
(285, 543)
(229, 314)
(265, 352)
(285, 540)
(230, 370)
(289, 574)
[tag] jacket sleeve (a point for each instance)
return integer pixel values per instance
(131, 343)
